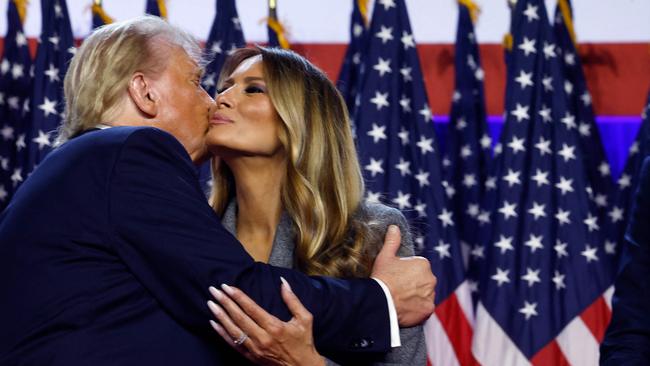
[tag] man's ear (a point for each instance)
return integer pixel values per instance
(142, 94)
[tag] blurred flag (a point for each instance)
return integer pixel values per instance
(15, 90)
(399, 155)
(225, 35)
(575, 86)
(626, 185)
(545, 270)
(277, 36)
(99, 15)
(351, 70)
(55, 49)
(468, 145)
(157, 8)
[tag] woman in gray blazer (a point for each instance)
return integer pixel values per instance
(287, 181)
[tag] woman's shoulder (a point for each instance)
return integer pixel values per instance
(380, 212)
(378, 217)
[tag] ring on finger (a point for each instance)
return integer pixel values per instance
(242, 338)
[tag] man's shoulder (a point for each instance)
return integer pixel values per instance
(123, 134)
(124, 138)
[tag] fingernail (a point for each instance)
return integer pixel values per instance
(217, 294)
(227, 288)
(214, 307)
(285, 283)
(213, 290)
(392, 229)
(215, 325)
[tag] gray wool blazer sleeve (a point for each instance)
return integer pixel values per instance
(413, 349)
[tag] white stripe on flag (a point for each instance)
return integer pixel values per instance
(578, 344)
(491, 345)
(464, 297)
(439, 349)
(608, 294)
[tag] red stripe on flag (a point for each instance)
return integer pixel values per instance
(458, 329)
(596, 317)
(551, 354)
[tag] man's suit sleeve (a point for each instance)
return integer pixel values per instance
(173, 243)
(627, 340)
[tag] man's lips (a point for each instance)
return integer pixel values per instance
(219, 119)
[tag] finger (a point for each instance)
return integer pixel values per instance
(222, 332)
(246, 306)
(293, 303)
(226, 337)
(391, 244)
(232, 330)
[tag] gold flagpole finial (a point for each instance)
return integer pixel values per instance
(163, 9)
(272, 4)
(474, 10)
(21, 6)
(565, 9)
(363, 9)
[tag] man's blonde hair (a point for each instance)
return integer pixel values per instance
(99, 73)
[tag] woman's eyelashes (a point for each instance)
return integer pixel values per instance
(251, 89)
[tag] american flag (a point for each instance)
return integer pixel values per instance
(351, 69)
(626, 185)
(55, 49)
(225, 36)
(15, 90)
(545, 260)
(575, 86)
(99, 15)
(399, 155)
(157, 8)
(468, 146)
(277, 36)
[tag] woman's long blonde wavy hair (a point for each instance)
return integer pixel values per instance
(323, 186)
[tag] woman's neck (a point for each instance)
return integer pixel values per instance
(258, 185)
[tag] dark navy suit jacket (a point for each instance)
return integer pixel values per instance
(107, 251)
(627, 340)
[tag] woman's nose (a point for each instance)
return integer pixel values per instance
(223, 99)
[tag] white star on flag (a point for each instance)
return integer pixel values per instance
(377, 132)
(380, 100)
(383, 66)
(501, 276)
(386, 34)
(402, 200)
(531, 276)
(529, 309)
(445, 218)
(375, 167)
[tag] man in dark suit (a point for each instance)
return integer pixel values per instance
(108, 249)
(627, 340)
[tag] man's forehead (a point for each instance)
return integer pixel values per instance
(182, 58)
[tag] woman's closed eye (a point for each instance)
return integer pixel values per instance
(251, 89)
